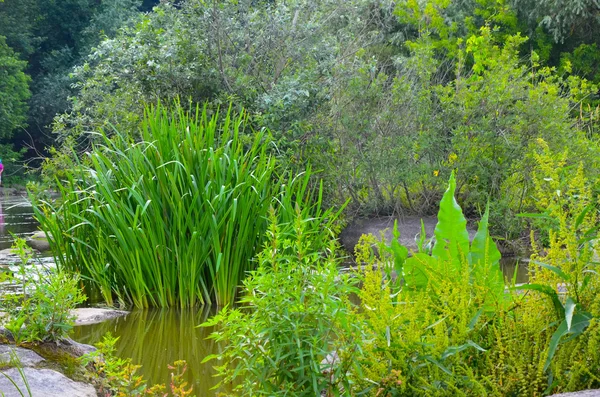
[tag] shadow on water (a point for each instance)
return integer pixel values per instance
(156, 338)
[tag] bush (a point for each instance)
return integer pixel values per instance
(294, 334)
(445, 325)
(175, 218)
(451, 327)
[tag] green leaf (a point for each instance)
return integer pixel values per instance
(565, 277)
(569, 310)
(582, 215)
(422, 238)
(484, 259)
(452, 238)
(437, 364)
(415, 270)
(579, 323)
(474, 320)
(483, 247)
(544, 289)
(399, 251)
(452, 350)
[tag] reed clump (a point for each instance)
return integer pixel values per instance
(174, 217)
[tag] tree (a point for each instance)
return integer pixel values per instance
(14, 91)
(563, 19)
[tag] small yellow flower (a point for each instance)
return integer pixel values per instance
(452, 157)
(436, 172)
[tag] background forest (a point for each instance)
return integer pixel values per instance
(383, 98)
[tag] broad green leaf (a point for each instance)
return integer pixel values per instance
(544, 289)
(484, 259)
(452, 238)
(483, 246)
(399, 251)
(415, 273)
(579, 323)
(569, 310)
(554, 269)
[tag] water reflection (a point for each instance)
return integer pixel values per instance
(16, 217)
(156, 338)
(512, 264)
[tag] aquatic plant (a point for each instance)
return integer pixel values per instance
(175, 218)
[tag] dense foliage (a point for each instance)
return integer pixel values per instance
(51, 37)
(445, 326)
(295, 310)
(14, 91)
(175, 218)
(385, 98)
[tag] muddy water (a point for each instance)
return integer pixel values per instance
(156, 338)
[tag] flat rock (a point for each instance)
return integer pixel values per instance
(8, 191)
(409, 227)
(583, 393)
(92, 315)
(25, 357)
(43, 383)
(38, 241)
(8, 257)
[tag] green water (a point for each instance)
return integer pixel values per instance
(156, 338)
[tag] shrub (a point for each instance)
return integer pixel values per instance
(451, 328)
(294, 333)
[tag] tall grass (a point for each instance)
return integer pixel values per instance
(175, 218)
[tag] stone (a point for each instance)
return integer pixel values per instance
(7, 257)
(66, 346)
(583, 393)
(43, 383)
(8, 191)
(25, 357)
(38, 241)
(93, 315)
(409, 227)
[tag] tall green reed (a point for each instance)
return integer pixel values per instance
(175, 218)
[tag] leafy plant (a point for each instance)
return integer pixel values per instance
(42, 309)
(115, 376)
(175, 218)
(294, 333)
(449, 326)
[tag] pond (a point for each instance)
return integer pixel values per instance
(156, 338)
(16, 217)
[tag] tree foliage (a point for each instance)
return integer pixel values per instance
(14, 91)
